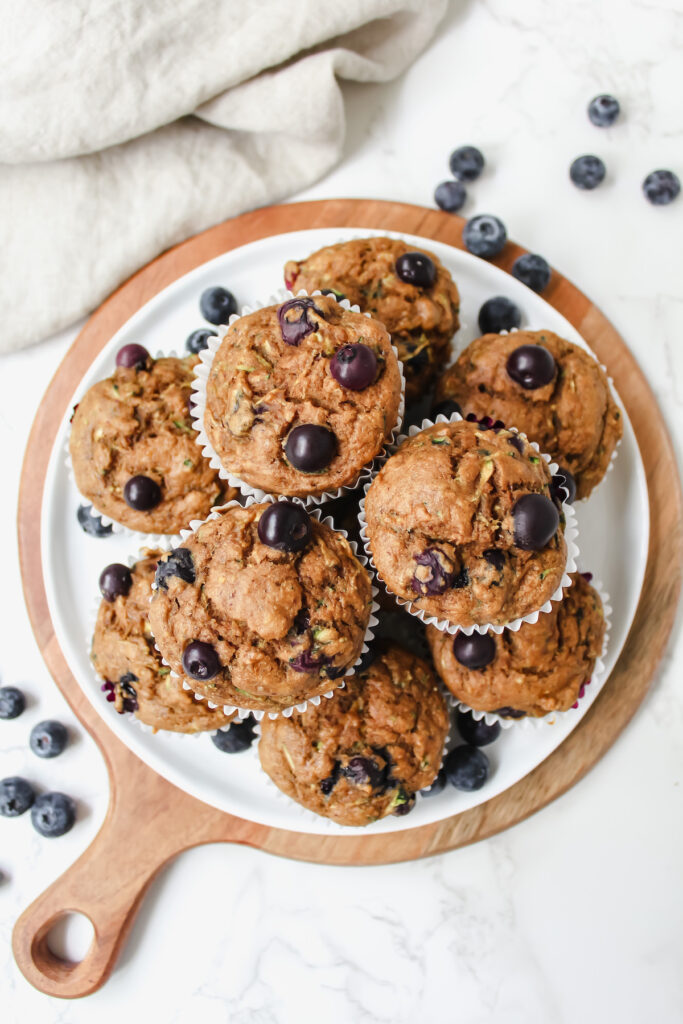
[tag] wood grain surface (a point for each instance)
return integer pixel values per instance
(140, 837)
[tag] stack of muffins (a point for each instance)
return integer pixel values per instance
(248, 602)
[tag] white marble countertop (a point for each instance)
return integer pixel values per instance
(574, 915)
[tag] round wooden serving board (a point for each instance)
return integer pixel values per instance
(141, 836)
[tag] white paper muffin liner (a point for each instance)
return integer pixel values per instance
(202, 371)
(151, 539)
(570, 536)
(130, 716)
(336, 683)
(597, 679)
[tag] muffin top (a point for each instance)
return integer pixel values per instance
(554, 391)
(538, 669)
(134, 452)
(300, 397)
(136, 679)
(460, 521)
(364, 753)
(258, 626)
(417, 303)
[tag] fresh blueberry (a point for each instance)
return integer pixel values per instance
(132, 357)
(416, 268)
(587, 172)
(484, 235)
(531, 366)
(48, 739)
(475, 651)
(437, 786)
(179, 563)
(563, 487)
(238, 737)
(603, 110)
(499, 314)
(12, 702)
(115, 581)
(200, 660)
(310, 448)
(536, 521)
(446, 408)
(466, 163)
(285, 526)
(16, 796)
(199, 340)
(532, 270)
(435, 574)
(495, 558)
(92, 524)
(661, 187)
(295, 323)
(467, 768)
(141, 493)
(450, 196)
(354, 366)
(53, 814)
(476, 733)
(217, 305)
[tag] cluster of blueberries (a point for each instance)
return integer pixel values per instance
(52, 814)
(466, 767)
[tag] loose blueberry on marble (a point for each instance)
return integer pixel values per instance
(132, 357)
(91, 523)
(179, 563)
(115, 581)
(661, 187)
(310, 448)
(450, 196)
(141, 493)
(533, 271)
(294, 321)
(12, 702)
(285, 526)
(563, 487)
(217, 305)
(467, 768)
(416, 268)
(536, 521)
(587, 172)
(446, 408)
(475, 651)
(484, 235)
(200, 660)
(48, 739)
(437, 786)
(53, 814)
(499, 314)
(354, 366)
(16, 796)
(531, 366)
(466, 163)
(237, 738)
(435, 574)
(199, 340)
(476, 733)
(603, 110)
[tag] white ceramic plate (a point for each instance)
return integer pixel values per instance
(613, 538)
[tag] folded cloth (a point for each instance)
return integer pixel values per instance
(127, 126)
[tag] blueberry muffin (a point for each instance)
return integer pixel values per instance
(133, 447)
(368, 750)
(300, 397)
(124, 655)
(408, 289)
(461, 522)
(538, 669)
(262, 607)
(547, 387)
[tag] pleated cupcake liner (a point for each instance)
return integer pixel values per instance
(202, 371)
(570, 536)
(301, 706)
(596, 681)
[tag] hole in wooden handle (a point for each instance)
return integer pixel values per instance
(54, 948)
